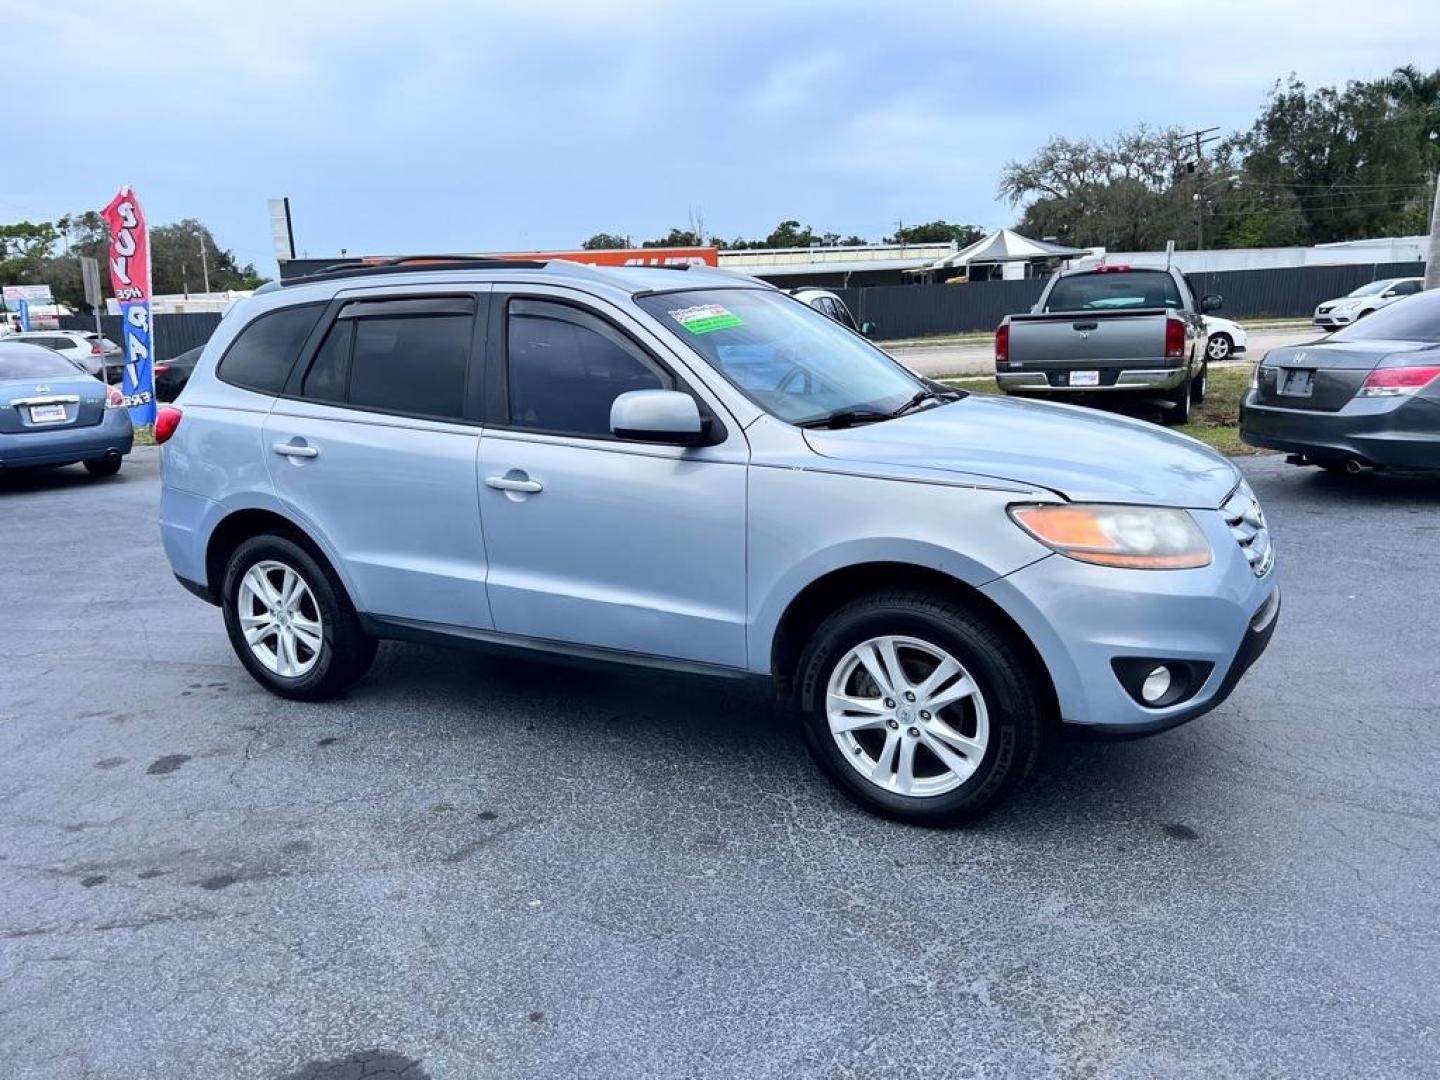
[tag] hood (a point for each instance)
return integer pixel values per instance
(1084, 455)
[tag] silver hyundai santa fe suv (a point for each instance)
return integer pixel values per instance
(682, 468)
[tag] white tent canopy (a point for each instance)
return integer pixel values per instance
(1002, 246)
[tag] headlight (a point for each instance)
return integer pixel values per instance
(1139, 537)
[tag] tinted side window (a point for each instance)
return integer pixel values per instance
(325, 381)
(411, 364)
(567, 367)
(261, 356)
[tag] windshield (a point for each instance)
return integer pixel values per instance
(789, 359)
(1416, 318)
(34, 362)
(1114, 289)
(1372, 288)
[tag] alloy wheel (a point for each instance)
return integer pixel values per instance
(1218, 348)
(280, 619)
(907, 716)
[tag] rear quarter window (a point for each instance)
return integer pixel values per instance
(262, 354)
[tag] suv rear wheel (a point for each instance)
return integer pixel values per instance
(917, 709)
(291, 622)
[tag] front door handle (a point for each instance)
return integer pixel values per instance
(285, 449)
(1086, 325)
(514, 483)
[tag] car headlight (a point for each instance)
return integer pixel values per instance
(1137, 537)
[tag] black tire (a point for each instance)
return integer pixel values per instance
(1016, 708)
(1180, 401)
(1200, 386)
(103, 466)
(346, 651)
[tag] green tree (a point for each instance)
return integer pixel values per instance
(176, 265)
(674, 238)
(24, 246)
(604, 241)
(936, 232)
(1341, 163)
(1131, 192)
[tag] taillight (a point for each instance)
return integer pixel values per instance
(1393, 382)
(166, 421)
(1002, 344)
(1174, 339)
(114, 399)
(97, 349)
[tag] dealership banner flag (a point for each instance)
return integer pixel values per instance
(130, 280)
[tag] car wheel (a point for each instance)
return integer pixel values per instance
(105, 466)
(291, 622)
(917, 709)
(1180, 401)
(1200, 385)
(1219, 347)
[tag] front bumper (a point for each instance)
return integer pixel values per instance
(1111, 379)
(65, 446)
(1081, 617)
(1398, 431)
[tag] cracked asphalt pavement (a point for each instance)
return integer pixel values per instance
(481, 867)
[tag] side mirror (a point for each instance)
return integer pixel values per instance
(868, 329)
(1389, 294)
(1211, 303)
(657, 416)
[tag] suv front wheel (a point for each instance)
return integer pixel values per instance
(917, 709)
(291, 622)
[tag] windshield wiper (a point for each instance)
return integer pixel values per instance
(843, 418)
(922, 396)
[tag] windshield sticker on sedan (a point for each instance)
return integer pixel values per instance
(706, 318)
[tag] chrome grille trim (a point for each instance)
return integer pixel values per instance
(1246, 522)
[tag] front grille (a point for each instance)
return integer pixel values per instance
(1246, 520)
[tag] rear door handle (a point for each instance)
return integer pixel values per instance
(514, 483)
(285, 449)
(1086, 325)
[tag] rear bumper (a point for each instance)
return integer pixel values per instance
(1111, 380)
(64, 446)
(1399, 431)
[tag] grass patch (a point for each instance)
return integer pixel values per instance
(145, 435)
(1215, 423)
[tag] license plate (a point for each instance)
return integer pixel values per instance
(46, 414)
(1084, 378)
(1298, 383)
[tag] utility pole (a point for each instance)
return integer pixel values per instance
(204, 263)
(1432, 261)
(1202, 138)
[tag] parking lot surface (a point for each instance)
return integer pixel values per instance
(482, 867)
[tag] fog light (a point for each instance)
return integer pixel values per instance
(1156, 685)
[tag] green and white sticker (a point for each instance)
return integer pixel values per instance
(706, 318)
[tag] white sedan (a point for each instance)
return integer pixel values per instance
(1224, 339)
(88, 349)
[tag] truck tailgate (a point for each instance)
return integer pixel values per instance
(1088, 338)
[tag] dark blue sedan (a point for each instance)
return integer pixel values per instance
(54, 413)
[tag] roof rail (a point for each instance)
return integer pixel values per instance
(411, 263)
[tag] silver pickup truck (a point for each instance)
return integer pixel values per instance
(1113, 329)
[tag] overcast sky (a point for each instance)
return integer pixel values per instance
(453, 126)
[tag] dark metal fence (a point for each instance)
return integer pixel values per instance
(901, 311)
(174, 334)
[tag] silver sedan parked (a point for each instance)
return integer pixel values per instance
(53, 413)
